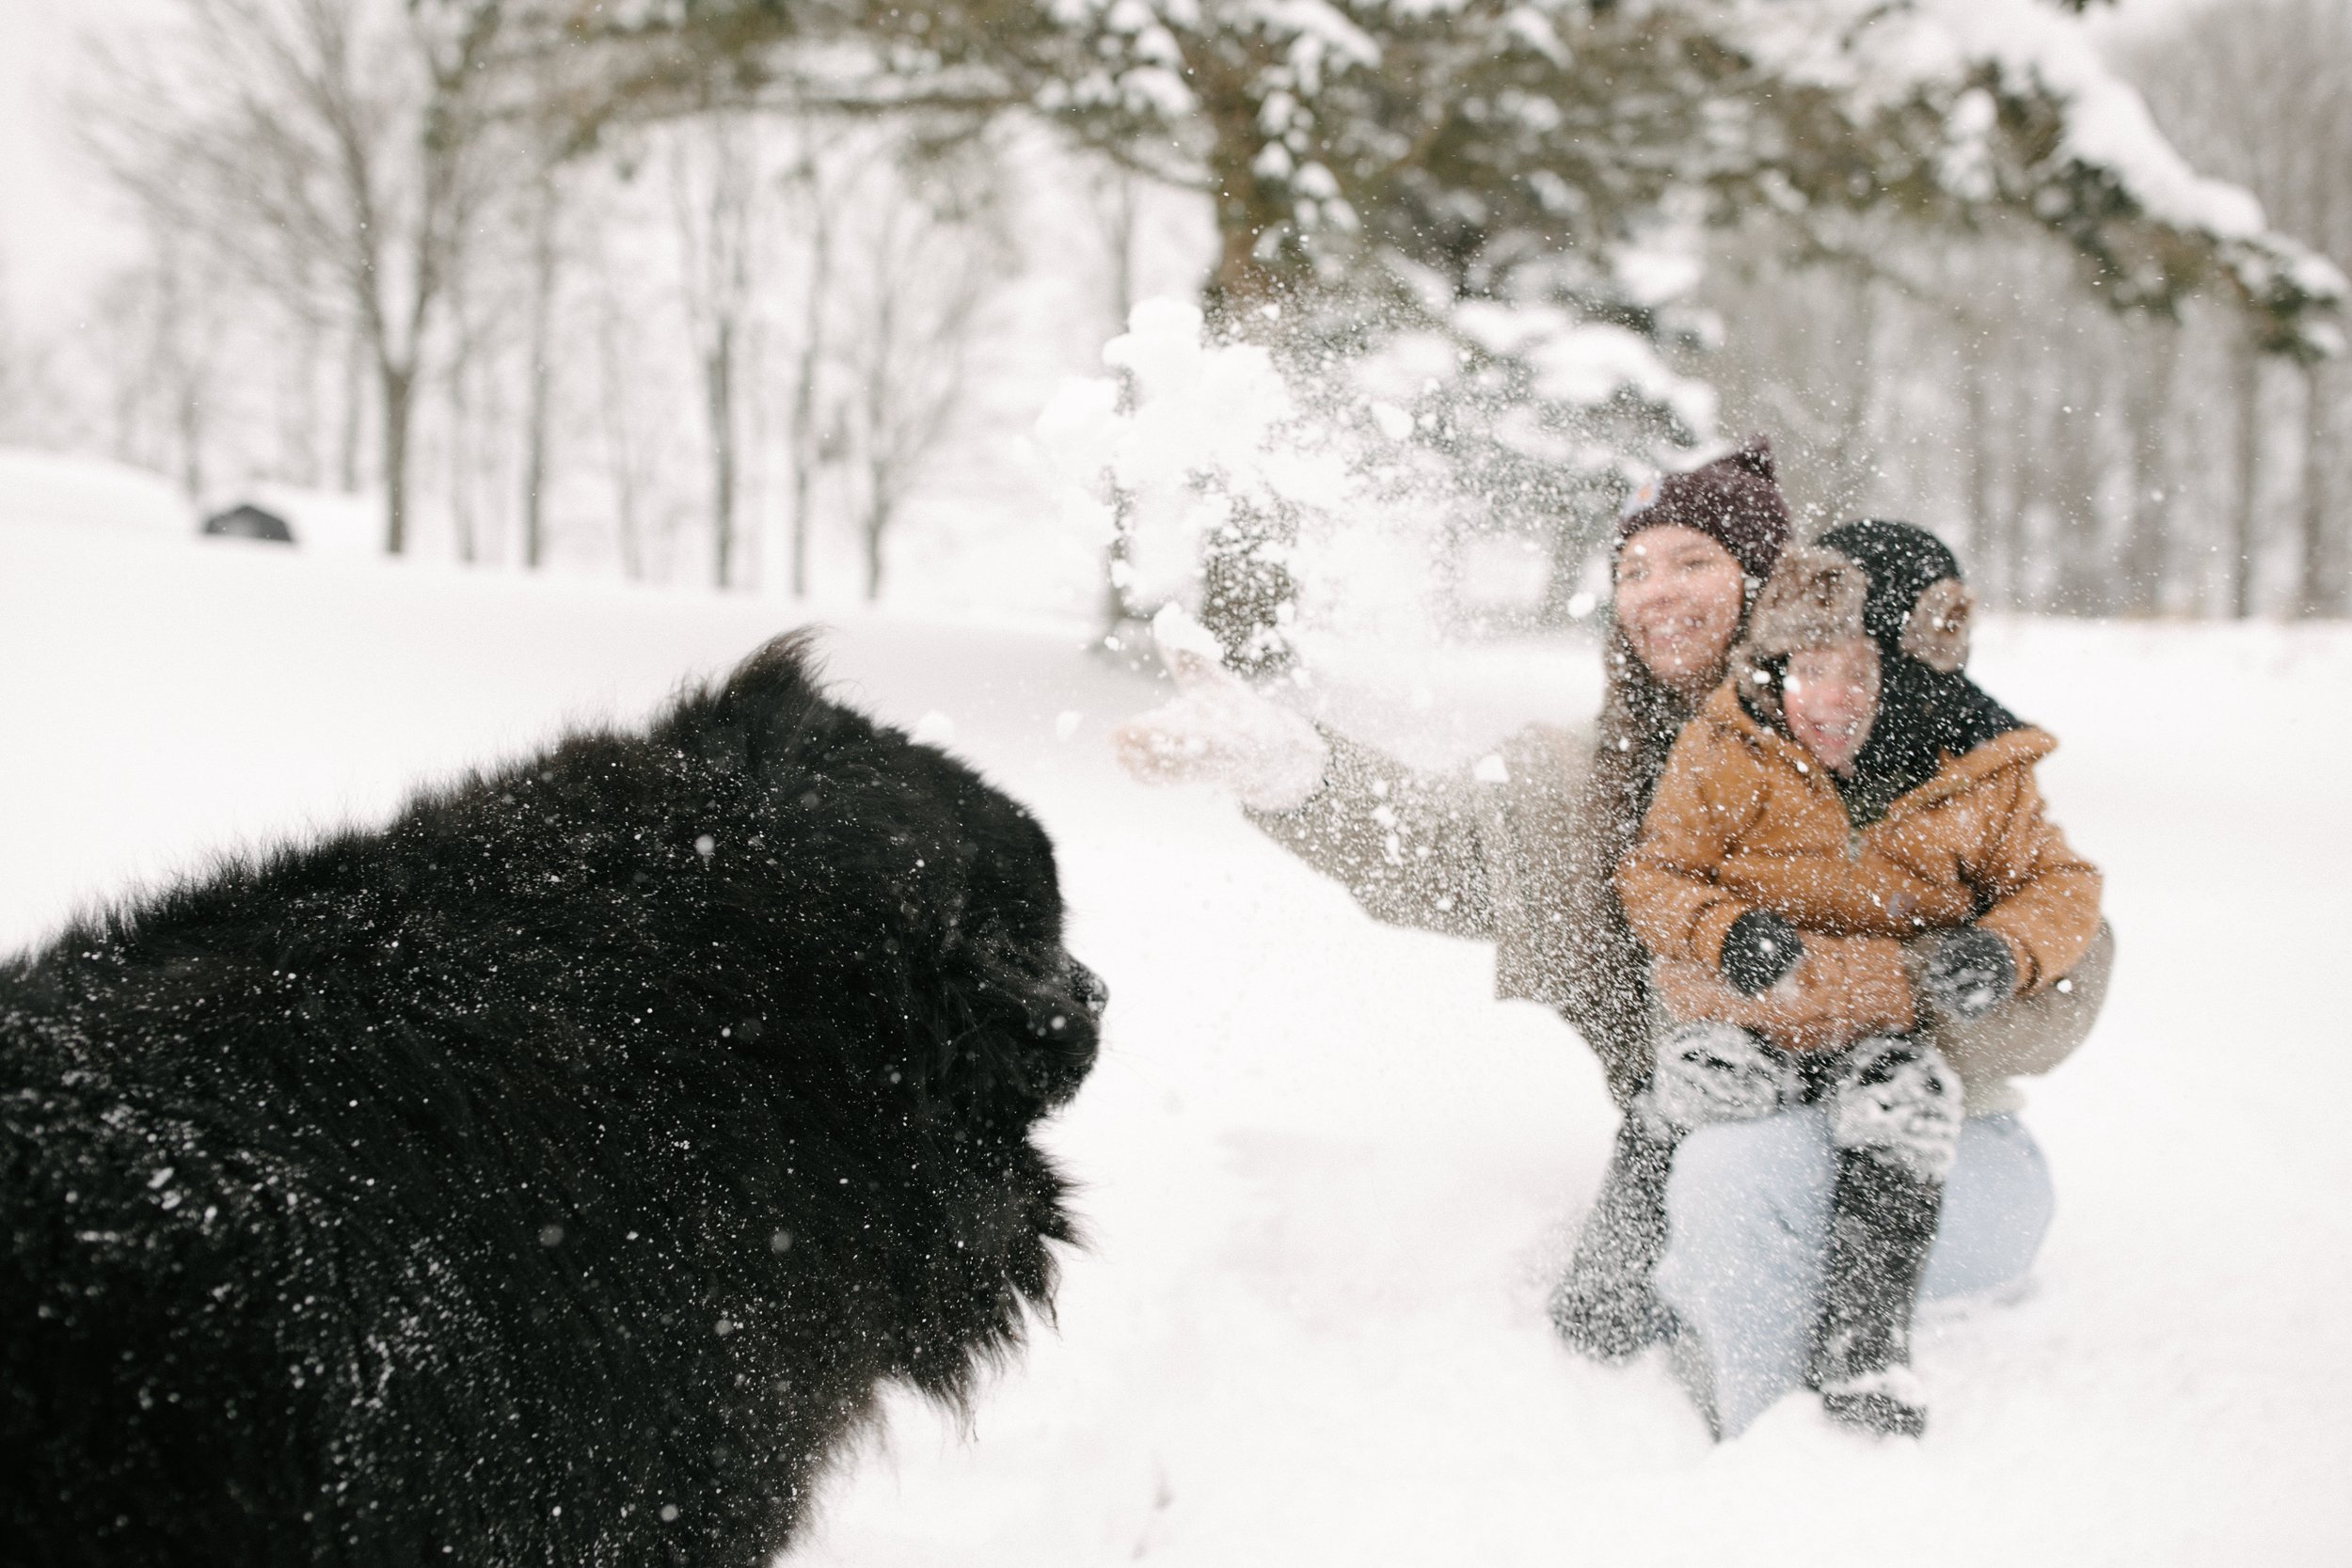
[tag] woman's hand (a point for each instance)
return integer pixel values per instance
(1968, 973)
(1218, 730)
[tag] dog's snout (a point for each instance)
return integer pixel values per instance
(1088, 986)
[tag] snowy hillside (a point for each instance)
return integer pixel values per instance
(1326, 1176)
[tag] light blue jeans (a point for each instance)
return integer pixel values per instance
(1747, 1220)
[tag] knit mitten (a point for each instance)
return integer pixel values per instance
(1968, 973)
(1711, 1072)
(1218, 729)
(1759, 952)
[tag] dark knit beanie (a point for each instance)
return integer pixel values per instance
(1903, 562)
(1734, 500)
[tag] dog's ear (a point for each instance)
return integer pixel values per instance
(777, 684)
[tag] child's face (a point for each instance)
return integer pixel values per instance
(1830, 697)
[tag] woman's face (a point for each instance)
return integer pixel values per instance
(1678, 596)
(1831, 698)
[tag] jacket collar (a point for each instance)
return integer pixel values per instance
(2018, 748)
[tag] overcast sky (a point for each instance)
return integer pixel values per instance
(55, 228)
(58, 228)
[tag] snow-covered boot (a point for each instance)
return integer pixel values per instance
(1883, 1220)
(1605, 1307)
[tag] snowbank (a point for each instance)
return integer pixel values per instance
(1327, 1177)
(48, 488)
(326, 522)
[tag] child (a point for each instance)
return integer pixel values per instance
(1847, 851)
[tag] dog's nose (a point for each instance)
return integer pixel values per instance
(1088, 986)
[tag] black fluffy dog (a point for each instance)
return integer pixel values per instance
(548, 1178)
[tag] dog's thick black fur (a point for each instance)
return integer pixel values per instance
(548, 1178)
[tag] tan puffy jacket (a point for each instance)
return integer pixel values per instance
(1744, 819)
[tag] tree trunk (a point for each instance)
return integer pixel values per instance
(2147, 404)
(543, 276)
(879, 505)
(1849, 463)
(188, 423)
(2246, 515)
(2024, 487)
(621, 457)
(804, 437)
(2314, 596)
(718, 393)
(298, 415)
(1118, 239)
(883, 471)
(1980, 496)
(355, 398)
(1253, 261)
(2082, 588)
(462, 422)
(1245, 588)
(398, 383)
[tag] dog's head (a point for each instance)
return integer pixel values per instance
(923, 901)
(897, 923)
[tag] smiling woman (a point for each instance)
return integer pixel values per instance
(1679, 600)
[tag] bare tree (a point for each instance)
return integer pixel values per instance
(174, 374)
(2246, 512)
(2323, 586)
(546, 209)
(820, 182)
(2149, 392)
(715, 191)
(338, 147)
(930, 249)
(2260, 92)
(624, 463)
(461, 371)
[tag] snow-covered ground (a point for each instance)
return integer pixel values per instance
(1326, 1177)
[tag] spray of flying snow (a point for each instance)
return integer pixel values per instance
(1196, 433)
(1448, 429)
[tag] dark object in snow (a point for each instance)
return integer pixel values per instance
(1894, 1118)
(247, 521)
(1606, 1305)
(1882, 1224)
(1967, 972)
(1760, 950)
(549, 1177)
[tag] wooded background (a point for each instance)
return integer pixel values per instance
(766, 294)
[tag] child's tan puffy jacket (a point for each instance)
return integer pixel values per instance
(1743, 818)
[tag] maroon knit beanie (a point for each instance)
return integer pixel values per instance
(1734, 500)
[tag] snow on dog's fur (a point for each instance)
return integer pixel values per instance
(547, 1177)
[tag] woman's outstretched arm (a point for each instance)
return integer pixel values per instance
(1409, 847)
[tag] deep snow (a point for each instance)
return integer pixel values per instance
(1326, 1177)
